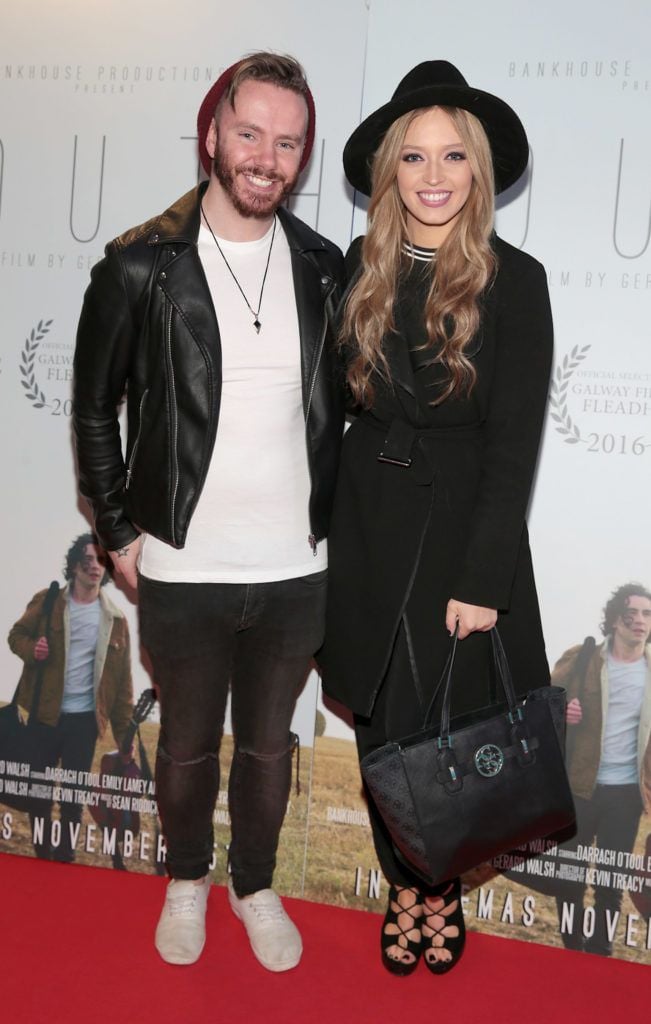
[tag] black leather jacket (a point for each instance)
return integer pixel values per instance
(148, 325)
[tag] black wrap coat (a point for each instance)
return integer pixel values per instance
(451, 523)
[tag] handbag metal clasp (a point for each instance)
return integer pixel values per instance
(449, 774)
(519, 715)
(489, 760)
(526, 754)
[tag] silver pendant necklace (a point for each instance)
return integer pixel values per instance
(255, 313)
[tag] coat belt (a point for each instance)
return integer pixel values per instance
(400, 437)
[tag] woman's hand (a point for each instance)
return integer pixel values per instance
(472, 618)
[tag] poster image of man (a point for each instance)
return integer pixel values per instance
(608, 761)
(76, 680)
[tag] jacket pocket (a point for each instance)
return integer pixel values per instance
(134, 450)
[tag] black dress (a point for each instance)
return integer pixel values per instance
(444, 518)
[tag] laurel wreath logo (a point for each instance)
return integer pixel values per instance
(32, 390)
(558, 394)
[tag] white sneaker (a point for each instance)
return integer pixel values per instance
(181, 929)
(275, 939)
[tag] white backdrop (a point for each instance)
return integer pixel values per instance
(97, 132)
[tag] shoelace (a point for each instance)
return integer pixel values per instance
(182, 905)
(268, 912)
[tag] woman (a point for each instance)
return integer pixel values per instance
(448, 337)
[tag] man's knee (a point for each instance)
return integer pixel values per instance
(185, 759)
(263, 753)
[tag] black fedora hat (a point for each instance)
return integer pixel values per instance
(438, 83)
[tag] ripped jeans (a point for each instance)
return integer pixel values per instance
(204, 638)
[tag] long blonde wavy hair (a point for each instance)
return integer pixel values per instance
(465, 265)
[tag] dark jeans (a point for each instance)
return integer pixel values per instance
(203, 638)
(70, 744)
(609, 820)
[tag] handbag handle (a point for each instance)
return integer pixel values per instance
(502, 670)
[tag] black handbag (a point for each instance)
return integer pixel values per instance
(19, 745)
(455, 796)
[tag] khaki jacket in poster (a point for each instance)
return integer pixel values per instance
(112, 670)
(584, 741)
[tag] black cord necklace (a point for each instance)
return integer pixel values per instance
(254, 313)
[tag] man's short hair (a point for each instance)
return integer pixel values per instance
(277, 69)
(618, 603)
(76, 552)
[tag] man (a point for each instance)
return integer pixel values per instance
(609, 751)
(85, 667)
(218, 318)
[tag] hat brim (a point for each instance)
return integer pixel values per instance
(506, 134)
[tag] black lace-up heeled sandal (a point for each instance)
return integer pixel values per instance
(401, 931)
(443, 928)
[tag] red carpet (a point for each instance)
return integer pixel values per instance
(76, 948)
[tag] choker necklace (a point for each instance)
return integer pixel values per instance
(255, 313)
(419, 252)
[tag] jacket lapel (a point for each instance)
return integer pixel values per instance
(184, 283)
(406, 391)
(180, 272)
(402, 371)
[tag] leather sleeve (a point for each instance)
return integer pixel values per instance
(340, 273)
(105, 340)
(353, 267)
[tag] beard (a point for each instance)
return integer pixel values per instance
(246, 203)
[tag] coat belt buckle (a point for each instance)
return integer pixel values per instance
(393, 461)
(396, 450)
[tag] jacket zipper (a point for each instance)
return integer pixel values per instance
(137, 440)
(174, 426)
(312, 539)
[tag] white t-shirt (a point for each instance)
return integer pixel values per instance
(251, 523)
(78, 692)
(626, 682)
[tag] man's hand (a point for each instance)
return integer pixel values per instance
(128, 757)
(125, 560)
(472, 618)
(41, 649)
(574, 712)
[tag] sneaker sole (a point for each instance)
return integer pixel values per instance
(179, 961)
